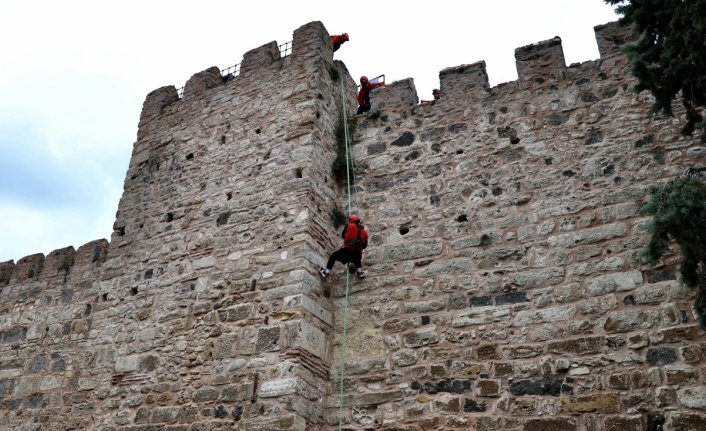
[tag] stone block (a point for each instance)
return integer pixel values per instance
(546, 315)
(612, 39)
(547, 387)
(681, 376)
(523, 351)
(661, 356)
(686, 421)
(540, 59)
(488, 388)
(594, 403)
(487, 352)
(268, 339)
(421, 337)
(411, 251)
(577, 346)
(609, 283)
(542, 278)
(306, 303)
(404, 358)
(468, 81)
(303, 334)
(693, 397)
(588, 236)
(631, 320)
(480, 316)
(126, 364)
(550, 424)
(623, 423)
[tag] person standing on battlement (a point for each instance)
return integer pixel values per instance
(437, 95)
(338, 40)
(364, 94)
(355, 240)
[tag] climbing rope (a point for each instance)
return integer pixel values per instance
(345, 302)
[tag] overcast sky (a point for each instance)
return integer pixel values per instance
(74, 74)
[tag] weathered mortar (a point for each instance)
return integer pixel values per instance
(504, 290)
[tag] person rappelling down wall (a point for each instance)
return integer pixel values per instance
(364, 94)
(355, 240)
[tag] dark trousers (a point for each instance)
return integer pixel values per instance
(365, 107)
(345, 255)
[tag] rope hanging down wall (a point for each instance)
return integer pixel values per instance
(345, 303)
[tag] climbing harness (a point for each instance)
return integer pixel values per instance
(345, 303)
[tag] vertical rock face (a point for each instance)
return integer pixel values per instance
(503, 289)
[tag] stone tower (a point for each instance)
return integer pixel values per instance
(504, 288)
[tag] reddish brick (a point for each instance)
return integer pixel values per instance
(550, 424)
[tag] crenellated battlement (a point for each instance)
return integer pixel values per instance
(311, 40)
(59, 263)
(537, 64)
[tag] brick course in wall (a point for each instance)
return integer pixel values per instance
(504, 288)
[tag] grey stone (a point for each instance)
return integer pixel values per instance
(404, 358)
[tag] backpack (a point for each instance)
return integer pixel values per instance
(352, 238)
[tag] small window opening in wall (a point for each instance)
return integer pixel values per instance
(105, 297)
(318, 115)
(229, 196)
(462, 218)
(298, 172)
(257, 131)
(189, 156)
(404, 230)
(170, 217)
(133, 290)
(459, 151)
(223, 140)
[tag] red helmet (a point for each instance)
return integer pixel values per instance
(353, 219)
(363, 79)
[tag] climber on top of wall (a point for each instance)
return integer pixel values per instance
(436, 93)
(338, 40)
(355, 240)
(364, 94)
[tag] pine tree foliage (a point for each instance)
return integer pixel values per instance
(679, 213)
(670, 56)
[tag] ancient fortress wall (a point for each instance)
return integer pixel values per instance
(504, 291)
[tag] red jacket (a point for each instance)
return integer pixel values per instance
(364, 91)
(337, 41)
(355, 237)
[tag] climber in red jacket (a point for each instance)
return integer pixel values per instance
(338, 40)
(355, 240)
(364, 93)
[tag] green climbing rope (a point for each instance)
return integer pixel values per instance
(345, 303)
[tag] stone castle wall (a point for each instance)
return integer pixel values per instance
(504, 290)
